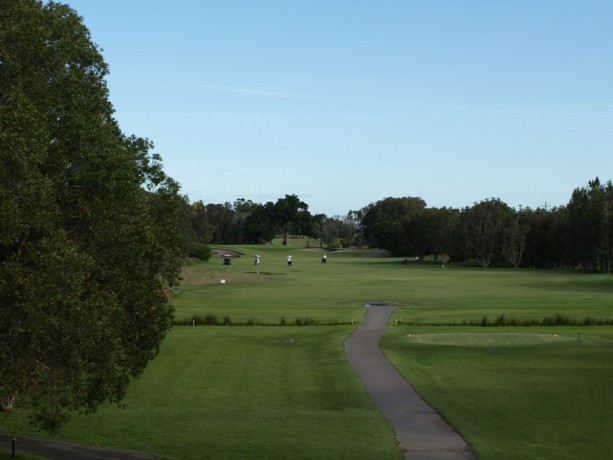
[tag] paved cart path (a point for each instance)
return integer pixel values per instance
(60, 450)
(420, 430)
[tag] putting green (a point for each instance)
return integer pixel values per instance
(489, 339)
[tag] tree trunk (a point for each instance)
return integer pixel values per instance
(6, 404)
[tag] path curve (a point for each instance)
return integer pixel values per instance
(420, 430)
(61, 450)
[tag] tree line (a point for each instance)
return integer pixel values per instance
(246, 222)
(93, 233)
(490, 233)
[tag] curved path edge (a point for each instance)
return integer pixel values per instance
(60, 450)
(420, 430)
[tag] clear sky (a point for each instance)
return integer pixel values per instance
(346, 102)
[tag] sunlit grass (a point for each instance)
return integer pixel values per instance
(528, 393)
(288, 392)
(244, 392)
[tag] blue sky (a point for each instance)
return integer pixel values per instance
(344, 103)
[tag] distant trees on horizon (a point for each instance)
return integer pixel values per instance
(490, 233)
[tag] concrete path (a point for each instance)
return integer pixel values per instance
(59, 450)
(420, 430)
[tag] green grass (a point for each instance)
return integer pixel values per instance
(19, 456)
(287, 392)
(424, 292)
(324, 292)
(515, 394)
(245, 392)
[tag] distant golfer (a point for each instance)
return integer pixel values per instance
(324, 259)
(257, 260)
(289, 261)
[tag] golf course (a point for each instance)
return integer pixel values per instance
(519, 362)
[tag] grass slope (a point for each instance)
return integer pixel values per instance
(288, 392)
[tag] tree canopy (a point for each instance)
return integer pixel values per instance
(89, 243)
(489, 233)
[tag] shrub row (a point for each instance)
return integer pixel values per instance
(502, 320)
(556, 320)
(214, 320)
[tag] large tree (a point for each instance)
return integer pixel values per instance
(515, 238)
(485, 227)
(590, 212)
(202, 228)
(441, 225)
(393, 211)
(222, 218)
(548, 238)
(394, 224)
(259, 227)
(291, 213)
(89, 245)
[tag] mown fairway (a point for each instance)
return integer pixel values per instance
(425, 293)
(287, 391)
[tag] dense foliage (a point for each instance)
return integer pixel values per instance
(492, 233)
(89, 244)
(578, 235)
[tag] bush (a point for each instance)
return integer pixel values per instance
(305, 321)
(199, 251)
(558, 320)
(211, 320)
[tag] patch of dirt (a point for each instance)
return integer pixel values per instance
(206, 275)
(220, 252)
(367, 252)
(191, 276)
(315, 250)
